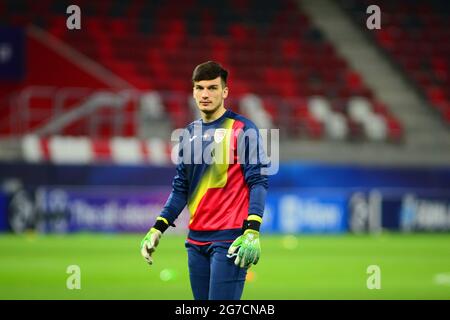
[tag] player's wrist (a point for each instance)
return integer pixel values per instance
(153, 229)
(161, 224)
(256, 233)
(252, 223)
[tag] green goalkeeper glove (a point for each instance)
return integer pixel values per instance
(149, 244)
(248, 246)
(151, 239)
(249, 249)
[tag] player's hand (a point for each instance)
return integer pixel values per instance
(149, 244)
(249, 249)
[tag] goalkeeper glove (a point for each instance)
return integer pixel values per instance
(151, 239)
(248, 246)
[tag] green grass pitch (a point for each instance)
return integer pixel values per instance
(413, 266)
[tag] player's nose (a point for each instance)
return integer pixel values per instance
(205, 94)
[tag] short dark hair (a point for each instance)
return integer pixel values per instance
(208, 71)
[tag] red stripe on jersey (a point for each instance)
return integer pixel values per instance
(201, 243)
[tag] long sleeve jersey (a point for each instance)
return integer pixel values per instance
(220, 177)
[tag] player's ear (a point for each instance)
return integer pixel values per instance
(225, 92)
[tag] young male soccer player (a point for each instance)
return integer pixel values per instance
(225, 198)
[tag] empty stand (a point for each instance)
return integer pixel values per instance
(271, 49)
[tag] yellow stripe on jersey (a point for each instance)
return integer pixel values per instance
(216, 175)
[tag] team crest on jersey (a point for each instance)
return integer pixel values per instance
(219, 134)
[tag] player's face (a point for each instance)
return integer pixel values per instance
(209, 95)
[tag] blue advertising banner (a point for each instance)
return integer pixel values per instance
(300, 175)
(101, 209)
(308, 175)
(302, 198)
(421, 213)
(295, 211)
(287, 211)
(335, 210)
(400, 210)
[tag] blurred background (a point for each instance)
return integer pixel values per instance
(86, 116)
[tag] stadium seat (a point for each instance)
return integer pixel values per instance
(336, 126)
(359, 109)
(252, 106)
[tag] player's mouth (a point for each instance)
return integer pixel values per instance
(205, 103)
